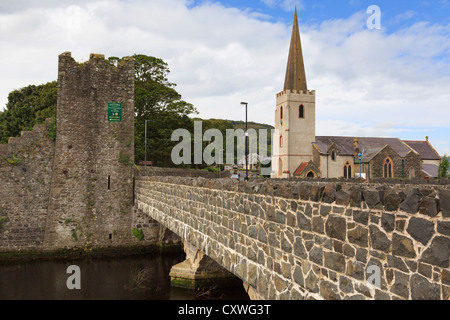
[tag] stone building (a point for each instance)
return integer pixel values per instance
(69, 183)
(298, 152)
(91, 194)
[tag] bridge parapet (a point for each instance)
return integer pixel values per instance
(312, 240)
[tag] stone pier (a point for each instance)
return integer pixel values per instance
(200, 271)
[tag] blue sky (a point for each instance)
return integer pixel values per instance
(392, 82)
(395, 13)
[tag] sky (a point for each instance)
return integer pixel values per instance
(387, 82)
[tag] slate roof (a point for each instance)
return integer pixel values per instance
(431, 170)
(425, 150)
(369, 147)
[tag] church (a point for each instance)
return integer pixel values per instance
(298, 152)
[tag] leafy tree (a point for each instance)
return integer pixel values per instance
(27, 107)
(443, 167)
(157, 100)
(219, 124)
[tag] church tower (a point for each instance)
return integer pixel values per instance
(295, 115)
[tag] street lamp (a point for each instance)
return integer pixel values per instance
(220, 160)
(246, 141)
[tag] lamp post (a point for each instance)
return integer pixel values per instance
(246, 141)
(220, 158)
(359, 156)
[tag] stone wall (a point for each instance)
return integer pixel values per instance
(178, 172)
(401, 166)
(25, 177)
(312, 240)
(77, 191)
(91, 197)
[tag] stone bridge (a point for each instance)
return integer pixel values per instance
(308, 240)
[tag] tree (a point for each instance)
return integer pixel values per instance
(27, 107)
(153, 91)
(443, 167)
(155, 99)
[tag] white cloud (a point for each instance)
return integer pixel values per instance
(404, 16)
(221, 56)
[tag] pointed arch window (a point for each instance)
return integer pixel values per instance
(412, 173)
(388, 168)
(281, 113)
(301, 112)
(347, 170)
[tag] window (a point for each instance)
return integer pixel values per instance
(281, 113)
(388, 168)
(280, 167)
(333, 155)
(412, 173)
(301, 112)
(347, 170)
(281, 141)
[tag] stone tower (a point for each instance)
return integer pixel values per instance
(91, 194)
(295, 115)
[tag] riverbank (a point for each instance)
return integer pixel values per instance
(8, 257)
(132, 275)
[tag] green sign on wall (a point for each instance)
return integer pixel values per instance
(114, 112)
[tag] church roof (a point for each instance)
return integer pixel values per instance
(300, 169)
(295, 71)
(425, 150)
(369, 147)
(431, 170)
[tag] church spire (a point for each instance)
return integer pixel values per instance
(295, 72)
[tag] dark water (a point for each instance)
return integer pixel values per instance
(137, 278)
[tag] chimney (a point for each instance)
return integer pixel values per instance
(356, 148)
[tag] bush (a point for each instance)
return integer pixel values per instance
(14, 161)
(443, 167)
(139, 234)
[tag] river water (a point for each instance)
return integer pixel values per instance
(130, 278)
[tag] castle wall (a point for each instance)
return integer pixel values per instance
(91, 197)
(25, 178)
(76, 191)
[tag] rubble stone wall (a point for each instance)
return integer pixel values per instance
(313, 240)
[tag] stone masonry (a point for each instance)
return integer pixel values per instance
(92, 183)
(312, 240)
(76, 192)
(25, 175)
